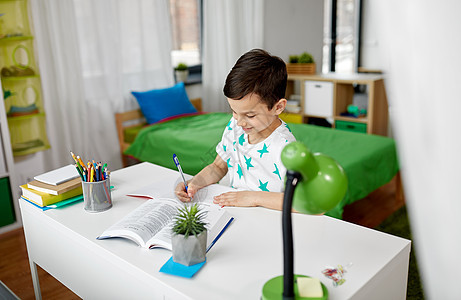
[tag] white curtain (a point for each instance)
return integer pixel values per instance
(231, 28)
(91, 55)
(421, 50)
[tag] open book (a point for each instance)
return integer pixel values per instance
(150, 225)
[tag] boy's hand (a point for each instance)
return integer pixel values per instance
(180, 191)
(243, 198)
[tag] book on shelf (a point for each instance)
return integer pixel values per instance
(150, 224)
(55, 189)
(59, 175)
(45, 199)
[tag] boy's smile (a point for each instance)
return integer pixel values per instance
(255, 118)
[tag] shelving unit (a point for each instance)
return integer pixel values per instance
(328, 96)
(21, 80)
(22, 117)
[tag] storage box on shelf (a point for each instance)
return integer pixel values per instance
(329, 96)
(14, 20)
(17, 56)
(22, 95)
(294, 108)
(7, 215)
(28, 134)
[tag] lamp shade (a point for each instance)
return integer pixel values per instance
(323, 182)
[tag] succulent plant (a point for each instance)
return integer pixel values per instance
(189, 221)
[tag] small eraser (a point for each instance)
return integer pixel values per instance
(309, 287)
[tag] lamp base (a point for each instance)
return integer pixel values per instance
(273, 289)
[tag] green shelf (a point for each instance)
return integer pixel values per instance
(27, 117)
(19, 78)
(16, 38)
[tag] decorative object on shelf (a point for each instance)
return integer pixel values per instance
(15, 71)
(189, 236)
(293, 106)
(355, 111)
(315, 183)
(301, 64)
(181, 72)
(7, 94)
(16, 111)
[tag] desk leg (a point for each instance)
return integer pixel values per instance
(35, 281)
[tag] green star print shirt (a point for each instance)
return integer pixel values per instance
(254, 167)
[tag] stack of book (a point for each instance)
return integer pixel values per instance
(54, 189)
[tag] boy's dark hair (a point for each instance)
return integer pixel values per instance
(257, 72)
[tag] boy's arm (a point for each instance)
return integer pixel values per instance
(251, 198)
(212, 173)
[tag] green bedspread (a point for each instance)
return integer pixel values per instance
(369, 161)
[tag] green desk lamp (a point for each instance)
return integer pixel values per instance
(320, 184)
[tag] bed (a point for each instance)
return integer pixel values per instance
(369, 161)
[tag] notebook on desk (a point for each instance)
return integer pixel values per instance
(59, 175)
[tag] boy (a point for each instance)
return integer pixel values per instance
(254, 137)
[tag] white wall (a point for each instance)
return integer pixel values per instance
(424, 94)
(294, 26)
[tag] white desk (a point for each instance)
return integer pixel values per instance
(63, 242)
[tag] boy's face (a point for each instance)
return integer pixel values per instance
(254, 116)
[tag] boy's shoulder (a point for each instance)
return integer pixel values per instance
(231, 125)
(284, 132)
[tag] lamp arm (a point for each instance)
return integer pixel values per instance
(288, 273)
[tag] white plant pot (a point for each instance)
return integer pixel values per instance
(191, 250)
(181, 75)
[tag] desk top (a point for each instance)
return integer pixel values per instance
(248, 254)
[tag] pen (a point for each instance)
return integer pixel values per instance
(176, 161)
(219, 235)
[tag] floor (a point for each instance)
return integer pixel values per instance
(14, 264)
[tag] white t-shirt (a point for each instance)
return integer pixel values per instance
(255, 167)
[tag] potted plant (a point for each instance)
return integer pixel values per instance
(189, 236)
(181, 72)
(301, 64)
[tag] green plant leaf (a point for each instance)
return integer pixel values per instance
(305, 58)
(189, 221)
(293, 59)
(181, 67)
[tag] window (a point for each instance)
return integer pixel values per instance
(186, 19)
(342, 36)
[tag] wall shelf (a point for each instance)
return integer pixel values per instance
(16, 38)
(18, 78)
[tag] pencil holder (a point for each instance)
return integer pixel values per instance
(96, 195)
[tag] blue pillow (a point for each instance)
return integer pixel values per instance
(159, 104)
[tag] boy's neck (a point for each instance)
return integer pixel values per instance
(261, 136)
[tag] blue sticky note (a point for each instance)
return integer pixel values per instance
(173, 268)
